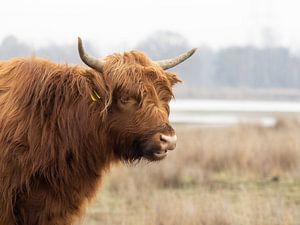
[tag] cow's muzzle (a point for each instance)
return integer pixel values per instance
(158, 145)
(166, 143)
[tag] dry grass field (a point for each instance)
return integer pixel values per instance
(242, 175)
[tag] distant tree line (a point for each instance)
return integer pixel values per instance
(249, 67)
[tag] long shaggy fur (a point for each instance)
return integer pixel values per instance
(56, 143)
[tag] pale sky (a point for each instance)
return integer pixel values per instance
(113, 23)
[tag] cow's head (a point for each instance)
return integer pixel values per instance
(140, 91)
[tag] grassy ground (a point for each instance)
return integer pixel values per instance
(243, 175)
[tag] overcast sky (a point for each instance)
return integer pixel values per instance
(216, 23)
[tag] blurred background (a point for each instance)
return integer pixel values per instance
(236, 114)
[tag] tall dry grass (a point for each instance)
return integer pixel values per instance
(245, 174)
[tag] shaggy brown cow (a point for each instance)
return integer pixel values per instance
(61, 127)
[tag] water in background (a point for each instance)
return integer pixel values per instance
(229, 112)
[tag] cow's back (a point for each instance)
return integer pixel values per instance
(21, 82)
(7, 171)
(40, 132)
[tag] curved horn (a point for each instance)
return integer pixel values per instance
(91, 61)
(169, 63)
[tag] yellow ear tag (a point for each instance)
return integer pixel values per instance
(95, 96)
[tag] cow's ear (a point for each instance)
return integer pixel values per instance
(174, 79)
(100, 91)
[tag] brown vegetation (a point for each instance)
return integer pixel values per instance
(246, 175)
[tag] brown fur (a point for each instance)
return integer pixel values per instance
(56, 143)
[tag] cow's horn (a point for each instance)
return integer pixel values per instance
(91, 61)
(169, 63)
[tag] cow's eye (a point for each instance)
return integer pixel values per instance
(125, 102)
(125, 99)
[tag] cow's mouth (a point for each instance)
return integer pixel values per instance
(155, 155)
(160, 154)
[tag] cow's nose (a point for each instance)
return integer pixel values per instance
(168, 142)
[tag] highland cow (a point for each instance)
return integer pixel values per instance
(62, 127)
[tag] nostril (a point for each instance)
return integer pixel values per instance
(162, 138)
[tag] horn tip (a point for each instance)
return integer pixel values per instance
(80, 48)
(193, 50)
(79, 40)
